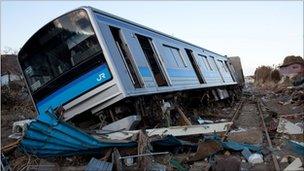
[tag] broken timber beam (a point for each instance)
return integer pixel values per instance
(183, 115)
(174, 131)
(235, 116)
(10, 147)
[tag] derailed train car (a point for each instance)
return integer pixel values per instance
(89, 63)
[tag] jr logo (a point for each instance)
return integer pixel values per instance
(101, 76)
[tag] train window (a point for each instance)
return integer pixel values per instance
(226, 66)
(195, 66)
(59, 53)
(223, 66)
(173, 57)
(213, 62)
(206, 62)
(126, 55)
(216, 66)
(232, 76)
(152, 59)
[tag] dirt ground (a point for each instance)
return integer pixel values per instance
(16, 105)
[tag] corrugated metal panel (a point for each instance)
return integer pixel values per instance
(47, 136)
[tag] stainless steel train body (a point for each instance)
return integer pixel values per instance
(136, 61)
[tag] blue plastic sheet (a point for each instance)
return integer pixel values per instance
(296, 147)
(233, 145)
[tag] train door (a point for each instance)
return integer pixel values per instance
(127, 57)
(153, 60)
(195, 66)
(217, 68)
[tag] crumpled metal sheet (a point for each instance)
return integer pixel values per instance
(48, 136)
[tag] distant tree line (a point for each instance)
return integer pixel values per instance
(265, 74)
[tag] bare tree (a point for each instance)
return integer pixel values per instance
(9, 50)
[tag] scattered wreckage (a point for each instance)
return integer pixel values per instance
(92, 83)
(137, 102)
(48, 136)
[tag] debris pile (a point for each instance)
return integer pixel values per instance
(263, 130)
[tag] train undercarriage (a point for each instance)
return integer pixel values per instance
(162, 110)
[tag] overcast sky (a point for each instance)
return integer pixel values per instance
(260, 32)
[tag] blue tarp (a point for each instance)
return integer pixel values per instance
(233, 145)
(48, 136)
(296, 147)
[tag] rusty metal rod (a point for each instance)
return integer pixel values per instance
(141, 155)
(274, 159)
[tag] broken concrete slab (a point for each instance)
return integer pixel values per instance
(249, 136)
(253, 158)
(287, 158)
(288, 127)
(295, 165)
(175, 131)
(126, 123)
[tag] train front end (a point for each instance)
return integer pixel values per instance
(63, 61)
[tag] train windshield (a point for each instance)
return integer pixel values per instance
(61, 51)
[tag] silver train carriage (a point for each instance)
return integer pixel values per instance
(87, 60)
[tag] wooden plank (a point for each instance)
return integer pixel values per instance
(183, 115)
(175, 131)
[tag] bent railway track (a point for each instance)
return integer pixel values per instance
(237, 113)
(274, 159)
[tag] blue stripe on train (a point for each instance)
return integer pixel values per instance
(75, 88)
(180, 72)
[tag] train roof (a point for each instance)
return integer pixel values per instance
(145, 27)
(121, 19)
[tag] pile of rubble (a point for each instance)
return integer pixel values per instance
(285, 106)
(121, 153)
(224, 137)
